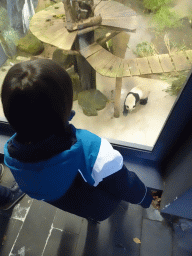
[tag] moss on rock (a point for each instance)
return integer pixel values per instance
(91, 101)
(30, 44)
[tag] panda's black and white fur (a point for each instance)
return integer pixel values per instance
(138, 94)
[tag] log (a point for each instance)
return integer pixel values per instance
(90, 22)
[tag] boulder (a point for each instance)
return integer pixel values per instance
(91, 101)
(30, 44)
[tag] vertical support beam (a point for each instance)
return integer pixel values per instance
(86, 73)
(117, 96)
(119, 48)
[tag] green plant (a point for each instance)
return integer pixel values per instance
(145, 49)
(109, 45)
(174, 47)
(176, 85)
(164, 18)
(154, 5)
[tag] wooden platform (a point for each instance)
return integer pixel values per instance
(117, 15)
(49, 24)
(48, 28)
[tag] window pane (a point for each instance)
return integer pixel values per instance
(127, 82)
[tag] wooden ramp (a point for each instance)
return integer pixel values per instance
(112, 66)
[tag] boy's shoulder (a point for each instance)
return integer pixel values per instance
(85, 134)
(89, 140)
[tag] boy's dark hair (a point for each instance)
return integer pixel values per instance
(37, 98)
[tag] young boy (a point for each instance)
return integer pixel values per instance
(46, 153)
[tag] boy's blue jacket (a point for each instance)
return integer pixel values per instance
(92, 156)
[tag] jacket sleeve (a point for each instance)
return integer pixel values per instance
(127, 186)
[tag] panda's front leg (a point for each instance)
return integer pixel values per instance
(143, 101)
(125, 111)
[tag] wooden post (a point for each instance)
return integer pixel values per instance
(119, 48)
(117, 96)
(86, 73)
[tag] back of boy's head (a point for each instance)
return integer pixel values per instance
(37, 98)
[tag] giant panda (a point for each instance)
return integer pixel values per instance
(138, 94)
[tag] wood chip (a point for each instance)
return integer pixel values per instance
(136, 240)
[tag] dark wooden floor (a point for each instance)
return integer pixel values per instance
(34, 228)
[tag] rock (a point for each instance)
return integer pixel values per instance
(62, 58)
(75, 82)
(30, 44)
(91, 101)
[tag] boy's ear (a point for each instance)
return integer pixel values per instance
(71, 115)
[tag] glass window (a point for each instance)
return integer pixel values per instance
(133, 59)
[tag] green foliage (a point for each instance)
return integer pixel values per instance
(175, 47)
(177, 85)
(109, 43)
(164, 18)
(154, 5)
(145, 49)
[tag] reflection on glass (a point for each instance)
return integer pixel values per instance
(128, 60)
